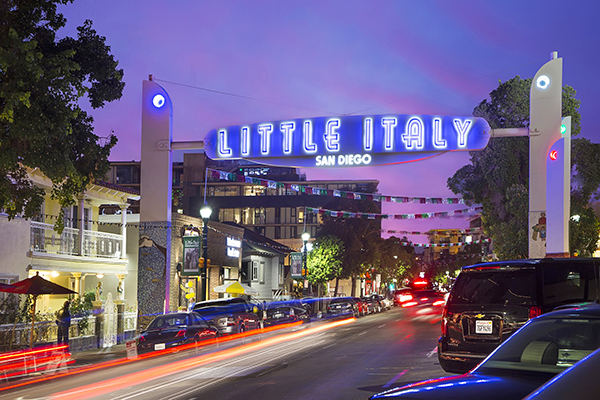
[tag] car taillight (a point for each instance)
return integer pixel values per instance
(439, 303)
(535, 311)
(180, 333)
(445, 322)
(409, 304)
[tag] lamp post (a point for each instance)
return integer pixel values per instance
(205, 212)
(305, 237)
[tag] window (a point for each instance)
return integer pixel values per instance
(255, 271)
(294, 232)
(293, 215)
(277, 215)
(277, 232)
(7, 280)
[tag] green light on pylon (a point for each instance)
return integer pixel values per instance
(563, 129)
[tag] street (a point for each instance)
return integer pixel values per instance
(343, 360)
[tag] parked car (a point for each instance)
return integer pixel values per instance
(176, 329)
(230, 316)
(573, 383)
(490, 301)
(381, 301)
(281, 313)
(342, 306)
(362, 307)
(540, 350)
(373, 305)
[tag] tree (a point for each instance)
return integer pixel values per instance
(359, 235)
(42, 81)
(396, 259)
(498, 176)
(325, 259)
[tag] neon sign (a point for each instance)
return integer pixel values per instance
(347, 141)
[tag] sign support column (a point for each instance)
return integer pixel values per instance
(544, 131)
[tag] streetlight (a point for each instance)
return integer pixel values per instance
(205, 212)
(305, 237)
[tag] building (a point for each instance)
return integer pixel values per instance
(90, 254)
(276, 214)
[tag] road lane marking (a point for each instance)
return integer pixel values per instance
(394, 379)
(362, 333)
(431, 353)
(381, 326)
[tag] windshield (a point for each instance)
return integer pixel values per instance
(515, 287)
(545, 345)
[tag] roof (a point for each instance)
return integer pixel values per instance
(257, 243)
(532, 263)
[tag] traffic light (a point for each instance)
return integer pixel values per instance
(208, 263)
(201, 262)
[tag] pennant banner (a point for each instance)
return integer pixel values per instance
(448, 232)
(232, 177)
(442, 214)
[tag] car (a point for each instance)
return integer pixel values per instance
(573, 383)
(281, 313)
(174, 330)
(230, 315)
(401, 295)
(381, 301)
(388, 301)
(490, 301)
(423, 304)
(362, 307)
(342, 306)
(541, 349)
(373, 305)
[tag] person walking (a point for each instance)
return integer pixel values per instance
(63, 320)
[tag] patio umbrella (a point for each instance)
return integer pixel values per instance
(35, 286)
(235, 288)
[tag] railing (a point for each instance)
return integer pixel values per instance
(95, 244)
(17, 336)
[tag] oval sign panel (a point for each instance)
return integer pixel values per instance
(352, 141)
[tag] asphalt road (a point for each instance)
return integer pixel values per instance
(352, 360)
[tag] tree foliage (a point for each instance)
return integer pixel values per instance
(325, 259)
(42, 125)
(498, 176)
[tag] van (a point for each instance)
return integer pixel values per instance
(490, 301)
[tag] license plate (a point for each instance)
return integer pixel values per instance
(159, 346)
(483, 327)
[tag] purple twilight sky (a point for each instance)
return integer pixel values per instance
(238, 62)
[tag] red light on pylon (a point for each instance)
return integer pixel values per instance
(553, 155)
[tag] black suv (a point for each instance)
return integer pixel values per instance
(490, 301)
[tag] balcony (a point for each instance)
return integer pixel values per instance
(45, 239)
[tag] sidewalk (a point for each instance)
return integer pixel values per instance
(98, 355)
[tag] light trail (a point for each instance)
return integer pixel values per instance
(111, 385)
(121, 361)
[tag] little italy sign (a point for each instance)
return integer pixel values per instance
(349, 141)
